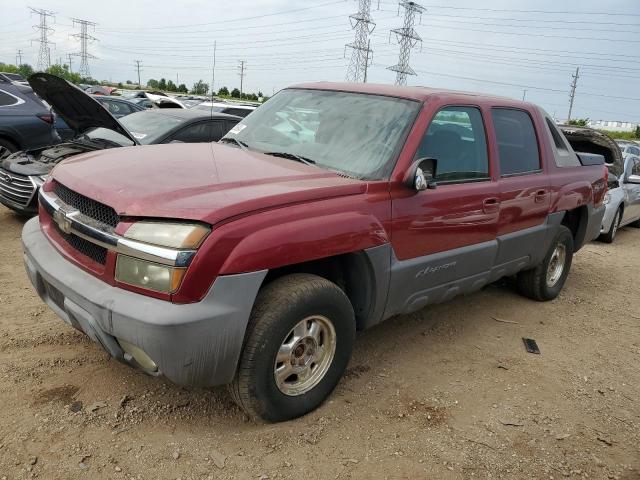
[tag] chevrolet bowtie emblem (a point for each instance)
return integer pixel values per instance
(63, 221)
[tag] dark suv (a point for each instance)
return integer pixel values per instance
(25, 122)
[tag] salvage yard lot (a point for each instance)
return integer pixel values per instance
(446, 393)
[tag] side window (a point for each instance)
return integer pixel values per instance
(517, 143)
(240, 112)
(215, 131)
(193, 134)
(6, 99)
(636, 167)
(634, 151)
(564, 155)
(456, 139)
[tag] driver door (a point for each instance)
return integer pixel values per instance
(444, 239)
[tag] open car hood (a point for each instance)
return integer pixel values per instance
(588, 140)
(79, 110)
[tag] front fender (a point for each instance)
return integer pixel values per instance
(304, 240)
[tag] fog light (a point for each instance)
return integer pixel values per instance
(138, 355)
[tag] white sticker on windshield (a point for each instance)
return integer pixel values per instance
(138, 136)
(237, 129)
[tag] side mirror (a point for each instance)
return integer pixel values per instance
(633, 179)
(421, 174)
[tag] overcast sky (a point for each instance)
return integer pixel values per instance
(496, 46)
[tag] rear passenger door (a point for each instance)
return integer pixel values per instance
(524, 186)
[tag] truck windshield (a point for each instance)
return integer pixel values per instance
(356, 134)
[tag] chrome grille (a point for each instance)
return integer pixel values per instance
(85, 247)
(17, 188)
(92, 209)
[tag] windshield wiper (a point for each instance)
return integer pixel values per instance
(240, 143)
(292, 156)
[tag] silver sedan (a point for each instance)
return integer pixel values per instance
(622, 200)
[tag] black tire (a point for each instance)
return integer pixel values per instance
(611, 234)
(7, 146)
(279, 307)
(533, 283)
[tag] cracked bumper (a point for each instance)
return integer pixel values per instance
(195, 344)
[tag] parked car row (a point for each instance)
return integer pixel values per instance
(95, 127)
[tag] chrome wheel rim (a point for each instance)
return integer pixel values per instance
(556, 265)
(305, 355)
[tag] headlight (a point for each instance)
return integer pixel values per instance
(172, 235)
(148, 275)
(607, 198)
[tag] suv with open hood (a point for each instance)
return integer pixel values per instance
(22, 173)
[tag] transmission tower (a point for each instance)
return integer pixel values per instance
(84, 41)
(572, 95)
(19, 58)
(408, 38)
(363, 24)
(44, 53)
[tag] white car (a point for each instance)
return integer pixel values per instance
(237, 109)
(622, 200)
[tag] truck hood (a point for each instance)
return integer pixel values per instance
(79, 110)
(202, 182)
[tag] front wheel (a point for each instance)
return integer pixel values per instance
(299, 341)
(545, 281)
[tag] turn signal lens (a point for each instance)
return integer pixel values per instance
(148, 275)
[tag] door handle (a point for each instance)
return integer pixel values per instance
(491, 205)
(541, 196)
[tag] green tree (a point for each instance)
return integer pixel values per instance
(62, 71)
(25, 70)
(129, 82)
(171, 87)
(200, 88)
(637, 132)
(580, 122)
(162, 84)
(235, 93)
(183, 88)
(153, 84)
(223, 92)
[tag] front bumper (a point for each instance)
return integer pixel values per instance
(197, 344)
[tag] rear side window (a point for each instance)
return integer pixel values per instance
(517, 142)
(6, 99)
(634, 150)
(240, 112)
(564, 155)
(200, 132)
(456, 139)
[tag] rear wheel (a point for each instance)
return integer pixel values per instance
(545, 281)
(611, 234)
(299, 341)
(7, 148)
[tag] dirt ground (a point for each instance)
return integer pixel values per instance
(446, 393)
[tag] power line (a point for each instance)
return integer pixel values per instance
(44, 53)
(19, 57)
(408, 38)
(240, 19)
(363, 24)
(84, 40)
(552, 12)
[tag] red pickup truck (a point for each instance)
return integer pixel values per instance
(253, 262)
